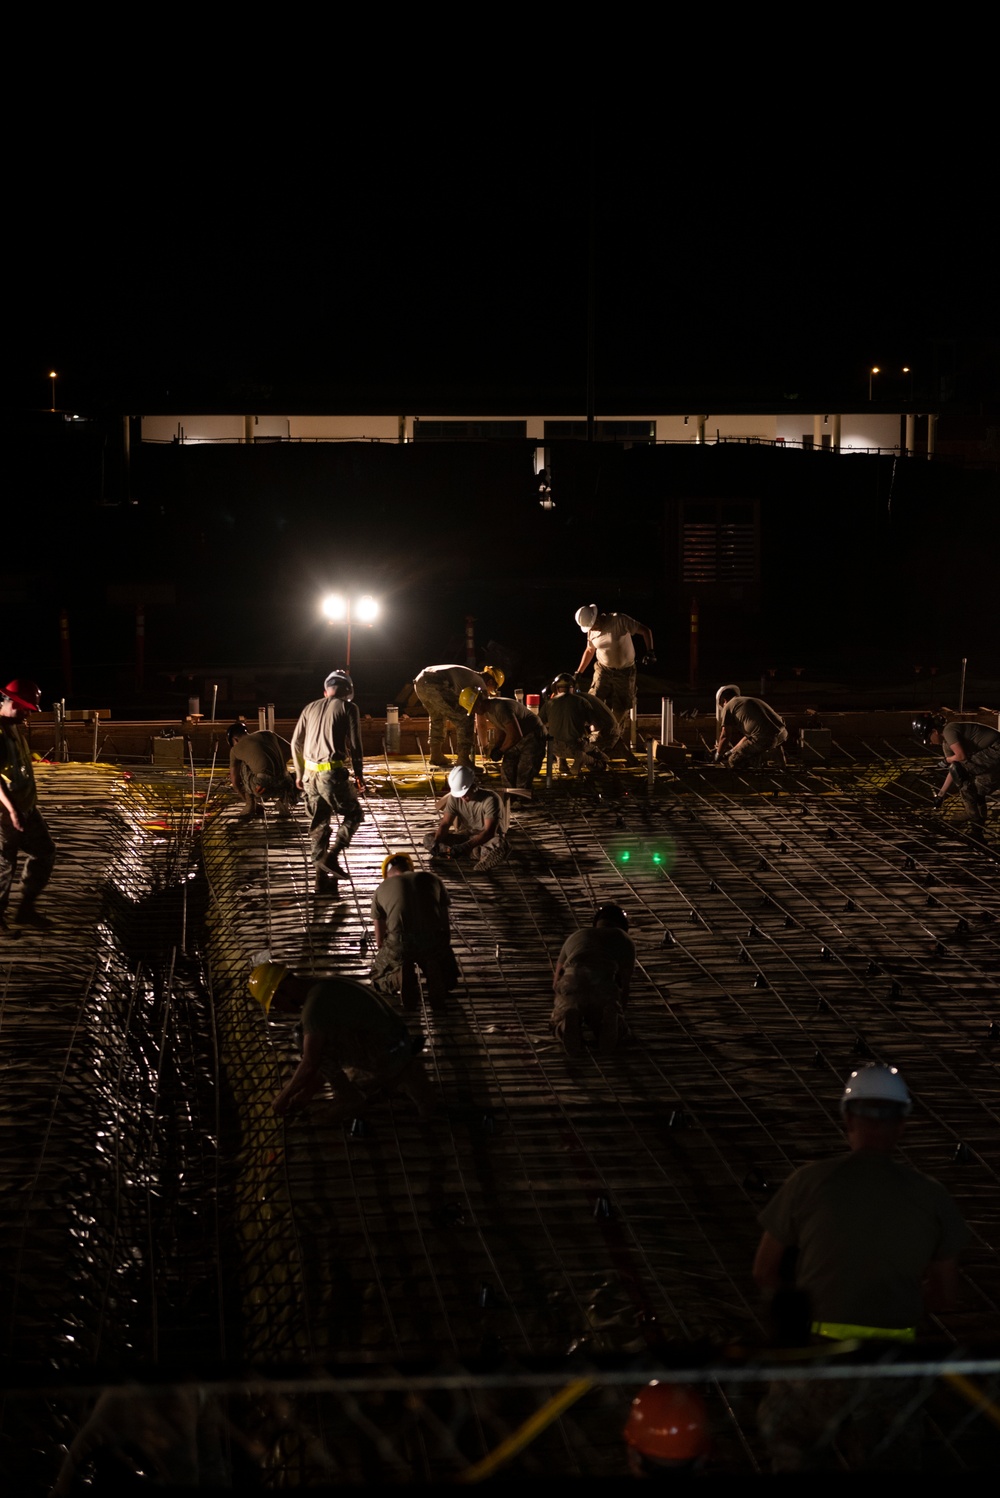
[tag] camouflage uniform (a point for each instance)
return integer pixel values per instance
(979, 773)
(756, 729)
(523, 760)
(327, 733)
(437, 688)
(34, 840)
(594, 968)
(413, 907)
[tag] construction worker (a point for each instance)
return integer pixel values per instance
(750, 725)
(609, 639)
(520, 737)
(582, 728)
(972, 753)
(351, 1038)
(871, 1236)
(438, 688)
(258, 770)
(666, 1431)
(327, 734)
(22, 826)
(471, 824)
(592, 980)
(410, 916)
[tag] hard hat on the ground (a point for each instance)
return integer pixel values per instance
(468, 697)
(461, 780)
(925, 725)
(668, 1423)
(611, 915)
(876, 1083)
(265, 980)
(396, 860)
(25, 694)
(340, 679)
(585, 616)
(235, 731)
(495, 675)
(564, 682)
(724, 694)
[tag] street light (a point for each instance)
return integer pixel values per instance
(52, 377)
(336, 607)
(871, 374)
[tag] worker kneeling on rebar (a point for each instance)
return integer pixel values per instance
(412, 930)
(258, 770)
(972, 754)
(750, 725)
(520, 738)
(471, 824)
(592, 980)
(351, 1038)
(581, 727)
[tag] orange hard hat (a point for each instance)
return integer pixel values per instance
(668, 1422)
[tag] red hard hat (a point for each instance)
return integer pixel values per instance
(668, 1423)
(25, 694)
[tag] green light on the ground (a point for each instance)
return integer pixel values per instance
(657, 857)
(626, 856)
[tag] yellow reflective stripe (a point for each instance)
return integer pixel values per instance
(322, 767)
(842, 1331)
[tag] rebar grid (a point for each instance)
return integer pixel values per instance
(604, 1204)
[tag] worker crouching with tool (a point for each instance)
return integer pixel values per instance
(351, 1038)
(410, 916)
(592, 980)
(583, 730)
(258, 771)
(750, 725)
(471, 823)
(972, 754)
(519, 744)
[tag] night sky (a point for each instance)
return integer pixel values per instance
(312, 227)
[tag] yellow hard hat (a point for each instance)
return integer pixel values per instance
(265, 980)
(394, 857)
(495, 675)
(468, 697)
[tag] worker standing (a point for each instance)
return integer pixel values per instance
(258, 770)
(23, 830)
(972, 754)
(592, 980)
(351, 1038)
(410, 916)
(438, 688)
(327, 735)
(609, 645)
(749, 725)
(869, 1234)
(520, 738)
(471, 823)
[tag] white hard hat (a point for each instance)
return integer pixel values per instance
(586, 616)
(876, 1083)
(732, 690)
(461, 780)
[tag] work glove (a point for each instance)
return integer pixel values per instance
(650, 658)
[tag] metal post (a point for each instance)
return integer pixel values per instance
(269, 712)
(261, 719)
(666, 720)
(961, 690)
(650, 765)
(632, 725)
(93, 745)
(392, 729)
(215, 698)
(548, 765)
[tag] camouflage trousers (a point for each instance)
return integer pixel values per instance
(752, 749)
(876, 1423)
(443, 709)
(34, 843)
(522, 763)
(975, 778)
(585, 998)
(327, 792)
(615, 687)
(394, 970)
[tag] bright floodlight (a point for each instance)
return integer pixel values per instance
(367, 609)
(335, 606)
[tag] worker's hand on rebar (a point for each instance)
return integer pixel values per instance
(360, 784)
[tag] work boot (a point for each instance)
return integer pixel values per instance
(439, 762)
(334, 865)
(27, 915)
(247, 814)
(325, 884)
